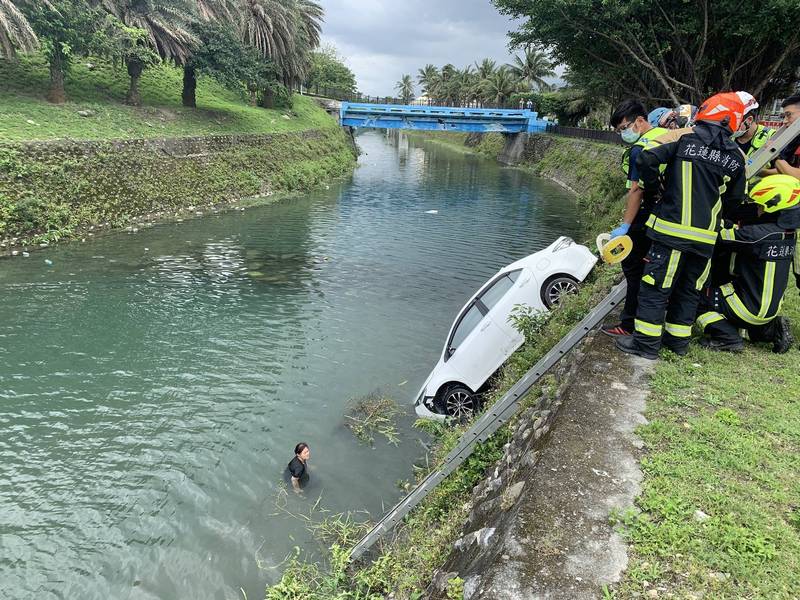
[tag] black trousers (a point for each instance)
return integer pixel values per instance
(668, 298)
(633, 268)
(721, 324)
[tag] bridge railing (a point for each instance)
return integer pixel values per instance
(347, 96)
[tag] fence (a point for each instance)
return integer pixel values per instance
(598, 135)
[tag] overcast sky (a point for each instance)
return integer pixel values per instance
(382, 40)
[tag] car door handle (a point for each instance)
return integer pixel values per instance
(485, 325)
(524, 281)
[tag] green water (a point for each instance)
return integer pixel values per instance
(152, 386)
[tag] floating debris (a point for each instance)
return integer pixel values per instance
(431, 212)
(48, 262)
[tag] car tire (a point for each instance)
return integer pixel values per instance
(556, 287)
(459, 403)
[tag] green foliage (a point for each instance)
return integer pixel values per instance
(528, 321)
(405, 87)
(51, 192)
(100, 86)
(672, 51)
(373, 414)
(222, 55)
(455, 588)
(328, 71)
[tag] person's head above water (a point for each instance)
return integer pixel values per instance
(302, 451)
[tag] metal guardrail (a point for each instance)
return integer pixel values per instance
(495, 417)
(598, 135)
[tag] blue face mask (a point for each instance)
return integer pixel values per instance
(629, 135)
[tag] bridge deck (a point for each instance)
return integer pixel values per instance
(441, 118)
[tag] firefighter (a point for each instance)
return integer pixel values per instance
(751, 136)
(630, 120)
(664, 117)
(704, 174)
(761, 260)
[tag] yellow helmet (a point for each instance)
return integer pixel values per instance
(776, 192)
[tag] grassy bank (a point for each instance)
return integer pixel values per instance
(100, 89)
(720, 504)
(94, 162)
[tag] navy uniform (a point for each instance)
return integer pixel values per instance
(704, 176)
(761, 256)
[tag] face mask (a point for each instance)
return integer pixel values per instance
(743, 128)
(630, 135)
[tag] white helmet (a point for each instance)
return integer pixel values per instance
(748, 100)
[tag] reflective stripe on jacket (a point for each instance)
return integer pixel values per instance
(760, 266)
(704, 176)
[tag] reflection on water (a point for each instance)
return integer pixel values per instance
(152, 386)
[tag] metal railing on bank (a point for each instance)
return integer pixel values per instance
(597, 135)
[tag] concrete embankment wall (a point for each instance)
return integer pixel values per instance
(59, 189)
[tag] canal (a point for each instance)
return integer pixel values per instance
(153, 385)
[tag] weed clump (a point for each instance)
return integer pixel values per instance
(371, 415)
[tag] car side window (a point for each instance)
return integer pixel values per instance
(465, 326)
(499, 289)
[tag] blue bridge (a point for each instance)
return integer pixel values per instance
(440, 118)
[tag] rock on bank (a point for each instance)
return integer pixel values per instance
(55, 189)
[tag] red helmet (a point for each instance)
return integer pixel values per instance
(726, 109)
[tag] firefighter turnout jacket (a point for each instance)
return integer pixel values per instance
(760, 264)
(705, 178)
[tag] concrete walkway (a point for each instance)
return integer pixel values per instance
(556, 542)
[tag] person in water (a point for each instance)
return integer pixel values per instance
(298, 469)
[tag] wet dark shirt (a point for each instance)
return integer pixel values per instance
(297, 468)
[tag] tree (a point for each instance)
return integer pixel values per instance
(406, 88)
(15, 31)
(485, 69)
(285, 31)
(328, 71)
(499, 86)
(66, 28)
(532, 68)
(428, 78)
(222, 55)
(167, 27)
(674, 50)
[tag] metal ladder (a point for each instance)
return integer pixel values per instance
(495, 417)
(770, 151)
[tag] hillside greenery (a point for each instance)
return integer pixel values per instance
(99, 87)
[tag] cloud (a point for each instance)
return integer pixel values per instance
(382, 40)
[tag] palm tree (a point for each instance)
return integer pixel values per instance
(167, 26)
(533, 68)
(285, 31)
(406, 88)
(499, 86)
(428, 78)
(486, 67)
(15, 31)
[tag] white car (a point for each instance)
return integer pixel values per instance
(481, 338)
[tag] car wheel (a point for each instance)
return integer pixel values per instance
(460, 403)
(557, 287)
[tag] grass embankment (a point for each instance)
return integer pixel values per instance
(723, 439)
(25, 115)
(79, 175)
(404, 567)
